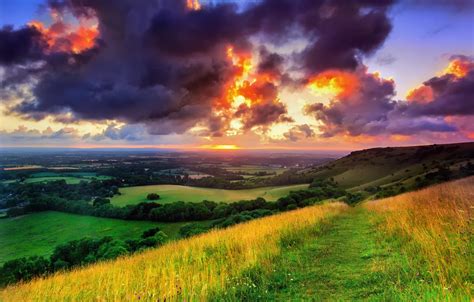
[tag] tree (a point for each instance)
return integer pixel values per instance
(23, 269)
(153, 196)
(112, 250)
(191, 229)
(99, 201)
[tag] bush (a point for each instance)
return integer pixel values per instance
(153, 196)
(99, 201)
(150, 232)
(23, 269)
(191, 229)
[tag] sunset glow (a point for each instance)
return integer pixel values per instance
(459, 67)
(67, 37)
(193, 4)
(220, 147)
(204, 73)
(334, 83)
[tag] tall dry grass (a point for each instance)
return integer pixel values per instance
(186, 270)
(438, 225)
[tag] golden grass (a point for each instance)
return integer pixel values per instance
(438, 223)
(186, 270)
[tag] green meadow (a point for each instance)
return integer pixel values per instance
(173, 193)
(70, 177)
(39, 233)
(255, 169)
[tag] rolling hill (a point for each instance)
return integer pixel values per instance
(415, 246)
(393, 166)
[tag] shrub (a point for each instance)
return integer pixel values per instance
(153, 196)
(151, 232)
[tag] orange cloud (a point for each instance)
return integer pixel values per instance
(400, 137)
(67, 37)
(422, 94)
(193, 4)
(337, 83)
(459, 67)
(251, 96)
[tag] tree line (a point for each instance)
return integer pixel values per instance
(77, 253)
(58, 196)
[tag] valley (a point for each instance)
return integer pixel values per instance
(141, 209)
(328, 250)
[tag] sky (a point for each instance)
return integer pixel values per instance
(263, 74)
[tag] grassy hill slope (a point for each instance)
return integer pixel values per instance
(393, 165)
(415, 246)
(38, 233)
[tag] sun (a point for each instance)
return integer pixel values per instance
(221, 147)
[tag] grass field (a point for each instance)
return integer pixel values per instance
(185, 270)
(39, 233)
(413, 247)
(172, 193)
(434, 229)
(69, 177)
(255, 169)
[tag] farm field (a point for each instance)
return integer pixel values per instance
(252, 169)
(69, 177)
(39, 233)
(173, 193)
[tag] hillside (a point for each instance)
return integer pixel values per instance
(409, 247)
(37, 234)
(393, 166)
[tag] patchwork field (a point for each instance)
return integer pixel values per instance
(39, 233)
(173, 193)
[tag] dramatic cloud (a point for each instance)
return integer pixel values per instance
(299, 132)
(177, 65)
(20, 46)
(369, 107)
(24, 134)
(446, 95)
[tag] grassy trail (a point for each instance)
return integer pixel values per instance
(343, 263)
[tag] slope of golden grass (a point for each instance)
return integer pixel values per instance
(438, 225)
(186, 270)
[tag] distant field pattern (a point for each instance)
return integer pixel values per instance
(173, 193)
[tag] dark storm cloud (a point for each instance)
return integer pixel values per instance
(157, 63)
(453, 96)
(364, 112)
(262, 114)
(270, 63)
(20, 46)
(364, 34)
